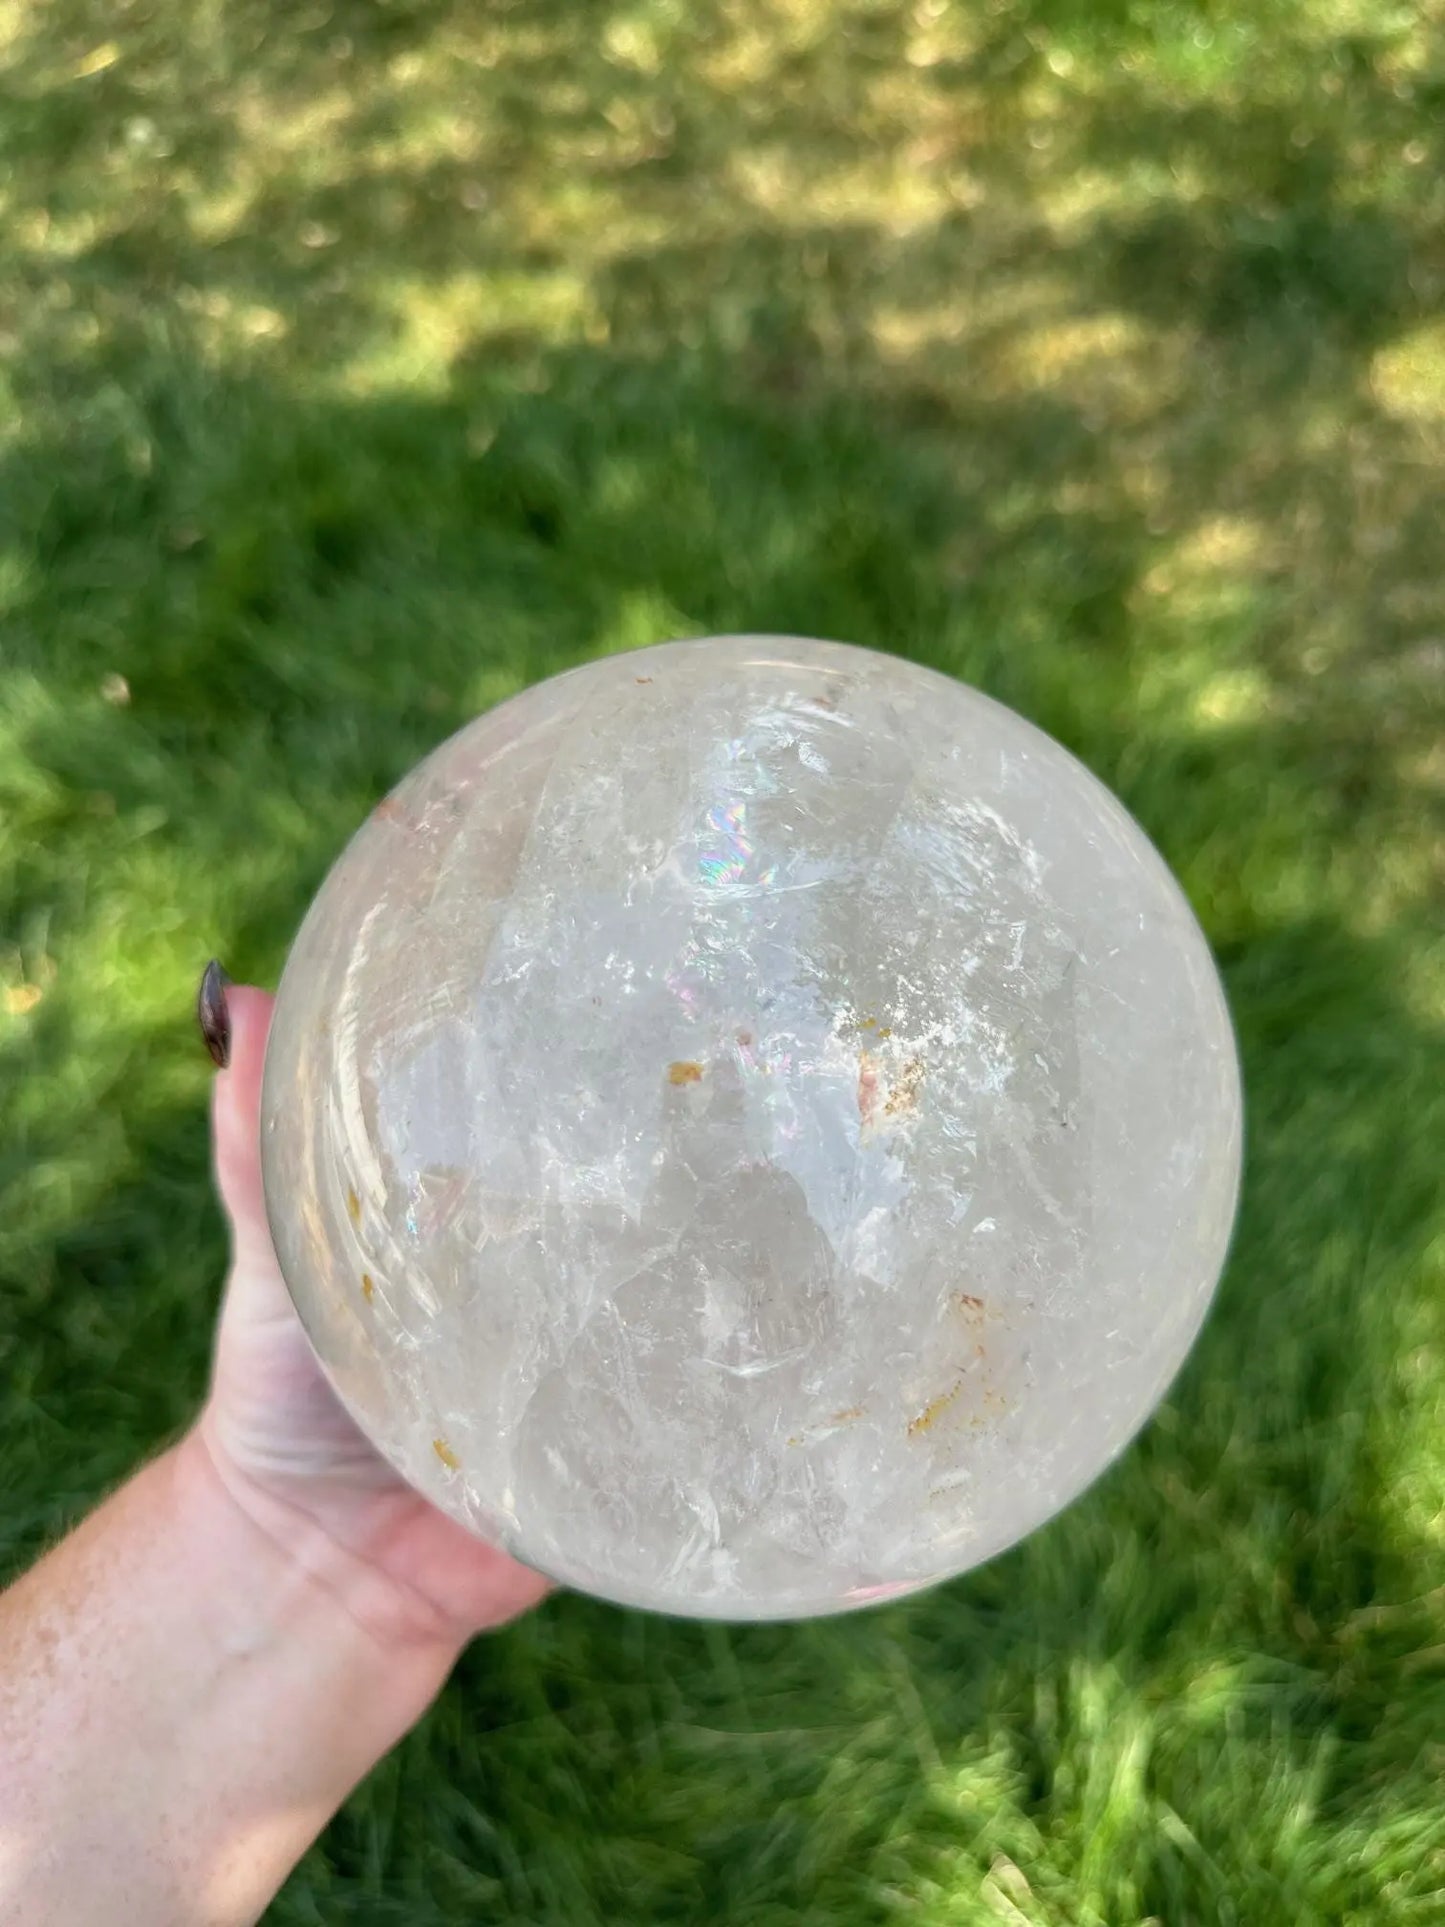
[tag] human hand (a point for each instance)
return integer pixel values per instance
(250, 1621)
(277, 1437)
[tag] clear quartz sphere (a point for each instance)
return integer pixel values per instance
(752, 1126)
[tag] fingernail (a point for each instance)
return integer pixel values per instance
(212, 1013)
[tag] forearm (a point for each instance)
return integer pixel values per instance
(183, 1704)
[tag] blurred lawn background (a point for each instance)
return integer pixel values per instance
(366, 359)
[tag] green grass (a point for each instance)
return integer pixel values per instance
(364, 361)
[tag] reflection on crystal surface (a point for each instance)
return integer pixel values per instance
(784, 1115)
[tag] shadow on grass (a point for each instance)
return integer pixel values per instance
(324, 471)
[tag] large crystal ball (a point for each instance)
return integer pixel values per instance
(752, 1126)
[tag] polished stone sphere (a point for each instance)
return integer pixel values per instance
(751, 1126)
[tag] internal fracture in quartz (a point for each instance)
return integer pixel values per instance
(752, 1126)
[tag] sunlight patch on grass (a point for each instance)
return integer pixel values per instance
(1233, 698)
(901, 333)
(898, 199)
(1408, 376)
(493, 686)
(435, 319)
(1425, 768)
(638, 39)
(228, 324)
(1062, 351)
(1077, 201)
(640, 618)
(1212, 572)
(979, 325)
(311, 143)
(749, 51)
(1222, 543)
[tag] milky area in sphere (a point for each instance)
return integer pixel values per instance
(751, 1125)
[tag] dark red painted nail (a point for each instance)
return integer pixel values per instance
(212, 1013)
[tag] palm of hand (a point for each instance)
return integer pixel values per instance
(283, 1444)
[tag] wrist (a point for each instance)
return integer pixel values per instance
(237, 1673)
(295, 1568)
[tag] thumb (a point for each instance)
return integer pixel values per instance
(271, 1411)
(236, 1125)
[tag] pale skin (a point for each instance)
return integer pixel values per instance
(194, 1680)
